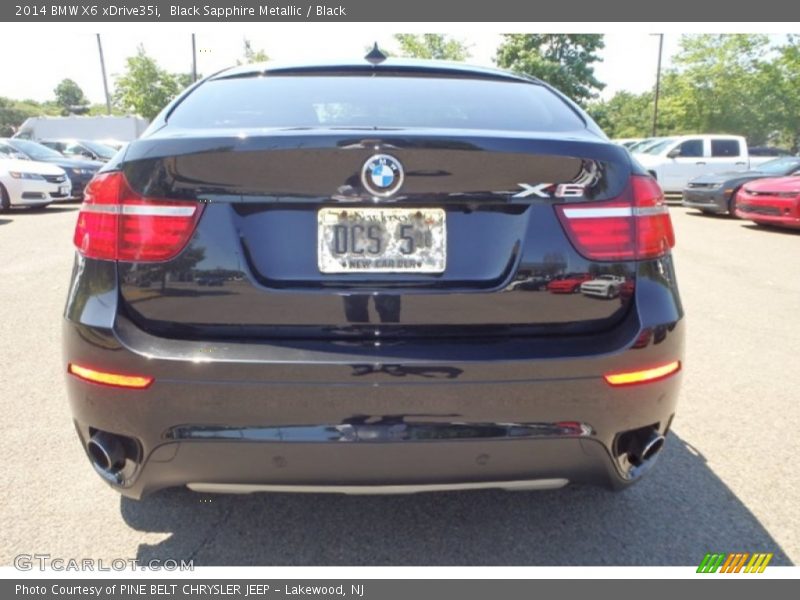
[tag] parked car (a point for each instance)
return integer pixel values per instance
(627, 142)
(568, 284)
(79, 171)
(717, 193)
(768, 151)
(112, 143)
(771, 202)
(603, 286)
(86, 149)
(528, 281)
(351, 205)
(677, 160)
(644, 144)
(30, 183)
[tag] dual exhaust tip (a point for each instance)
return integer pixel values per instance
(647, 448)
(107, 452)
(641, 445)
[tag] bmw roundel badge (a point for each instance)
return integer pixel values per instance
(382, 175)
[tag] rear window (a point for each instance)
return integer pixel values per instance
(360, 101)
(722, 148)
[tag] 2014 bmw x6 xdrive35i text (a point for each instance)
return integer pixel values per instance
(307, 277)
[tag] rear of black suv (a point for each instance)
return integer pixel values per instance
(335, 278)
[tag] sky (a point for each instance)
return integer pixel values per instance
(629, 60)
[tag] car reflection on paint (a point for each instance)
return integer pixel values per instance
(530, 283)
(568, 284)
(603, 286)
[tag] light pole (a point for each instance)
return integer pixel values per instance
(103, 70)
(658, 84)
(194, 60)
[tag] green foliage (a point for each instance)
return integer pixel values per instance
(432, 45)
(14, 112)
(564, 61)
(717, 84)
(252, 56)
(145, 88)
(735, 84)
(95, 110)
(625, 114)
(782, 94)
(70, 97)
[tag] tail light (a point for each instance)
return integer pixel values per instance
(116, 223)
(644, 375)
(136, 382)
(633, 229)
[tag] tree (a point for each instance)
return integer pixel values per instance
(738, 84)
(14, 112)
(564, 61)
(252, 56)
(70, 97)
(145, 88)
(432, 45)
(782, 78)
(719, 85)
(624, 114)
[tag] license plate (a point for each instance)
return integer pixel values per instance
(63, 190)
(381, 240)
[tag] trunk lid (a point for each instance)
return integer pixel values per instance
(251, 269)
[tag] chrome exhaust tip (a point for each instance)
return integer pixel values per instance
(644, 448)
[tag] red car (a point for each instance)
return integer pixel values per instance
(770, 202)
(569, 283)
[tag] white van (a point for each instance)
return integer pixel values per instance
(123, 129)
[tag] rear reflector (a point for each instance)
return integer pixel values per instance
(138, 382)
(116, 223)
(643, 376)
(634, 227)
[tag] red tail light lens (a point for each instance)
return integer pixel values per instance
(116, 223)
(636, 229)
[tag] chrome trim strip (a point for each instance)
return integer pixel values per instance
(157, 211)
(389, 430)
(649, 211)
(249, 488)
(142, 210)
(109, 209)
(598, 213)
(615, 211)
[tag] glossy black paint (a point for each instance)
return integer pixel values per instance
(437, 383)
(260, 203)
(475, 374)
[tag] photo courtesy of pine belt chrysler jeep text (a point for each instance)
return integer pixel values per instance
(346, 277)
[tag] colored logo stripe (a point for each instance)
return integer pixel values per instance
(710, 563)
(758, 563)
(734, 561)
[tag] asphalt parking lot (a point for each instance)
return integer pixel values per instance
(726, 482)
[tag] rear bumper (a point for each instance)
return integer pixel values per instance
(706, 200)
(355, 415)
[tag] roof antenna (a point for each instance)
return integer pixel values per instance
(375, 56)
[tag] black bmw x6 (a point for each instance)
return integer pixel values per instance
(307, 278)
